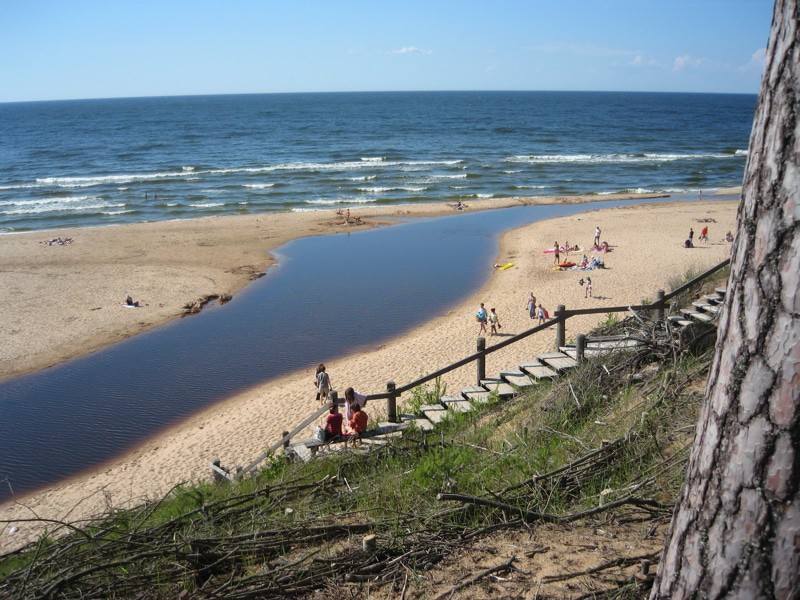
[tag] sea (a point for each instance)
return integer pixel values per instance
(88, 163)
(84, 163)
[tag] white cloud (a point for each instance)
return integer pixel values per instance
(685, 60)
(410, 50)
(757, 61)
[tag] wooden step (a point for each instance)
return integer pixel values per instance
(558, 361)
(705, 307)
(721, 291)
(679, 321)
(539, 371)
(456, 404)
(499, 387)
(302, 451)
(714, 298)
(433, 414)
(476, 394)
(696, 316)
(518, 379)
(420, 423)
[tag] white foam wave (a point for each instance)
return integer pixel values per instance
(611, 158)
(206, 204)
(742, 153)
(21, 186)
(60, 207)
(628, 191)
(333, 201)
(193, 174)
(384, 190)
(373, 158)
(258, 186)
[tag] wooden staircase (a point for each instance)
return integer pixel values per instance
(528, 373)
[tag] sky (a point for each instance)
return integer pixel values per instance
(70, 49)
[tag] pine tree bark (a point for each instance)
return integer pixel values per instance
(736, 529)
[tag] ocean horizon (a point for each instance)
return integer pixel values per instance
(77, 163)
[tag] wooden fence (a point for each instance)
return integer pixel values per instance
(479, 357)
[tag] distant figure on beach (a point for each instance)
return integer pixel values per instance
(567, 248)
(699, 194)
(357, 423)
(596, 236)
(333, 425)
(351, 398)
(131, 302)
(540, 314)
(481, 318)
(588, 293)
(531, 306)
(584, 262)
(323, 383)
(556, 255)
(494, 321)
(691, 235)
(703, 234)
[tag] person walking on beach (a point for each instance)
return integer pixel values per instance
(494, 321)
(481, 318)
(532, 306)
(703, 235)
(556, 254)
(596, 236)
(540, 314)
(691, 237)
(323, 383)
(588, 288)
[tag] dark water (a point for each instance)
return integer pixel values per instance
(329, 296)
(94, 162)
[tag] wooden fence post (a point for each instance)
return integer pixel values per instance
(481, 360)
(580, 347)
(391, 402)
(660, 304)
(285, 436)
(561, 326)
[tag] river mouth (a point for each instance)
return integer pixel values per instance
(327, 297)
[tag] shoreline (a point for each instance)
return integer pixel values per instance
(203, 257)
(237, 429)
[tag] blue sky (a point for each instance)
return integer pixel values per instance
(60, 49)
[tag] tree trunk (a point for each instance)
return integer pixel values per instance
(736, 530)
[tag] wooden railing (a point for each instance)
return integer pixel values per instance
(559, 321)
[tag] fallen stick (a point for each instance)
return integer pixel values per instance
(506, 566)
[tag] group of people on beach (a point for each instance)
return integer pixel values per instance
(487, 318)
(536, 311)
(58, 241)
(703, 237)
(340, 427)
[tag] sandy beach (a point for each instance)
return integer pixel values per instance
(63, 301)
